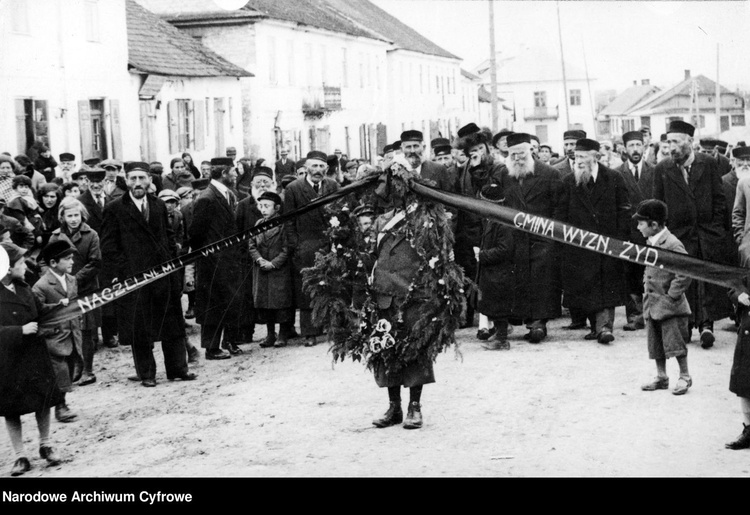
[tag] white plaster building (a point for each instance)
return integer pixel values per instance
(328, 74)
(64, 78)
(531, 80)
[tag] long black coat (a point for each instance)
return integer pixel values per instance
(306, 233)
(729, 183)
(96, 213)
(219, 275)
(247, 215)
(131, 245)
(592, 281)
(497, 287)
(27, 381)
(739, 379)
(697, 217)
(637, 192)
(536, 268)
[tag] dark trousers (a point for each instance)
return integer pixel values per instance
(211, 335)
(604, 319)
(175, 357)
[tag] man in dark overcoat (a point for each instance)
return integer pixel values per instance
(478, 171)
(218, 275)
(594, 198)
(284, 166)
(567, 162)
(689, 183)
(534, 188)
(306, 233)
(136, 236)
(639, 180)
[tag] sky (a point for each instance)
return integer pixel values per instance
(619, 41)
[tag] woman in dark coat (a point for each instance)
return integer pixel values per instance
(87, 263)
(190, 165)
(27, 381)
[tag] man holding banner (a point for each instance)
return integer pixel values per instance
(594, 198)
(136, 236)
(690, 184)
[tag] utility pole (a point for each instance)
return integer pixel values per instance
(493, 69)
(718, 95)
(562, 61)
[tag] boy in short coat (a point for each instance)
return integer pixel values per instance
(665, 306)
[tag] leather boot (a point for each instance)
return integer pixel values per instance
(413, 416)
(393, 416)
(743, 442)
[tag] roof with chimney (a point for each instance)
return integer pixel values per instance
(156, 47)
(704, 85)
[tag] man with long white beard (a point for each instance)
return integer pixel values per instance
(639, 179)
(740, 177)
(533, 286)
(567, 163)
(594, 198)
(690, 184)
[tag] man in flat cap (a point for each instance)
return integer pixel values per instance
(533, 287)
(545, 153)
(284, 166)
(412, 147)
(136, 236)
(690, 184)
(307, 232)
(594, 198)
(67, 166)
(442, 153)
(500, 145)
(639, 179)
(218, 275)
(567, 163)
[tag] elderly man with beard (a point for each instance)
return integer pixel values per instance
(307, 233)
(639, 179)
(246, 216)
(740, 220)
(480, 170)
(533, 286)
(567, 163)
(67, 166)
(137, 236)
(690, 184)
(217, 303)
(442, 153)
(594, 198)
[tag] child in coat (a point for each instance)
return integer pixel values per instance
(665, 306)
(272, 277)
(27, 381)
(64, 340)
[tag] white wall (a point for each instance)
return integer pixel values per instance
(56, 62)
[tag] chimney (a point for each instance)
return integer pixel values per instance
(635, 83)
(687, 74)
(645, 82)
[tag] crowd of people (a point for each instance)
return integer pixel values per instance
(69, 230)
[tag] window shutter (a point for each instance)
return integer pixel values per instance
(174, 129)
(87, 134)
(114, 111)
(199, 109)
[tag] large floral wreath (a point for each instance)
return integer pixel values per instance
(341, 296)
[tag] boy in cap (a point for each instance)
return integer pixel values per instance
(272, 278)
(64, 340)
(665, 306)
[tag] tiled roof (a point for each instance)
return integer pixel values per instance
(627, 99)
(155, 46)
(358, 18)
(367, 14)
(470, 75)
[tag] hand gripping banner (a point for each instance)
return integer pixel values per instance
(708, 271)
(81, 305)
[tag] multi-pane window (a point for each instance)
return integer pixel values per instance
(575, 97)
(540, 99)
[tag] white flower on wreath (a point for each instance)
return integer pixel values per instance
(383, 326)
(433, 261)
(375, 344)
(441, 281)
(335, 221)
(388, 341)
